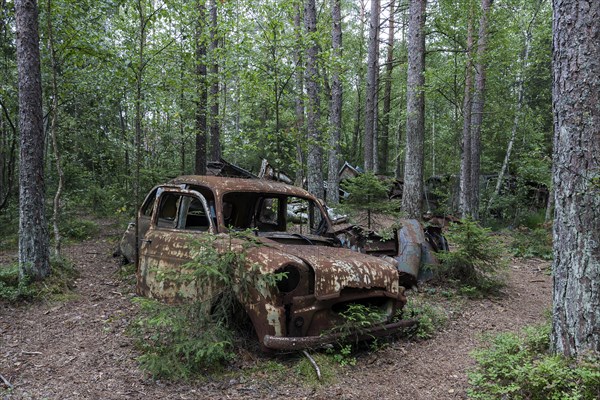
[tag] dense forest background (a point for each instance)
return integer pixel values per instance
(126, 85)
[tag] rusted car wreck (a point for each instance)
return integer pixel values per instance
(327, 267)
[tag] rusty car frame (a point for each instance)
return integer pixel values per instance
(326, 267)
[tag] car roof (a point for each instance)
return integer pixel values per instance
(225, 184)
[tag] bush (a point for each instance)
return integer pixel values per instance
(520, 367)
(76, 228)
(368, 196)
(57, 284)
(430, 319)
(475, 260)
(11, 289)
(177, 342)
(532, 243)
(185, 340)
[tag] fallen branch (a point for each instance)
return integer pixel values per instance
(6, 382)
(314, 363)
(31, 353)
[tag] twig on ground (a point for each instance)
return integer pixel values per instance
(313, 362)
(6, 382)
(31, 353)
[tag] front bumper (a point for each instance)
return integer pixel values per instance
(305, 342)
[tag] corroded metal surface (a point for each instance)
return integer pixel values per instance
(323, 275)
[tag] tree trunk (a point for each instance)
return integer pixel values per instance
(335, 115)
(466, 190)
(299, 100)
(576, 166)
(7, 155)
(54, 135)
(387, 95)
(315, 152)
(215, 135)
(412, 197)
(34, 253)
(201, 81)
(477, 108)
(516, 120)
(371, 90)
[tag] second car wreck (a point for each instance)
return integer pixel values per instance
(325, 268)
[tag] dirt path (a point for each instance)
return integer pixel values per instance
(78, 349)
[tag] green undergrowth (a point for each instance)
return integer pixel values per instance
(195, 339)
(519, 366)
(58, 286)
(430, 318)
(475, 263)
(528, 243)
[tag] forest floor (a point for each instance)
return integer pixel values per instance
(79, 348)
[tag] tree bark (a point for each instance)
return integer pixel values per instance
(54, 135)
(315, 151)
(34, 253)
(477, 108)
(335, 114)
(215, 134)
(576, 172)
(387, 95)
(412, 197)
(201, 81)
(371, 90)
(466, 190)
(299, 100)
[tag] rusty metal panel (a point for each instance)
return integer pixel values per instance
(322, 279)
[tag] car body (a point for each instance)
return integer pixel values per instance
(327, 267)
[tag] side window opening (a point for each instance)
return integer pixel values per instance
(195, 218)
(167, 210)
(149, 204)
(182, 211)
(268, 216)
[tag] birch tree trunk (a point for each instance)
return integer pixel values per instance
(34, 253)
(335, 115)
(299, 100)
(215, 134)
(477, 108)
(315, 152)
(412, 197)
(387, 95)
(576, 177)
(53, 135)
(201, 123)
(516, 120)
(371, 90)
(466, 191)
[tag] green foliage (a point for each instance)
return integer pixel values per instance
(475, 259)
(357, 319)
(532, 243)
(343, 355)
(77, 228)
(520, 367)
(306, 371)
(185, 340)
(11, 289)
(430, 319)
(57, 286)
(368, 195)
(9, 228)
(177, 341)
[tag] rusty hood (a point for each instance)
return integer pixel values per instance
(339, 268)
